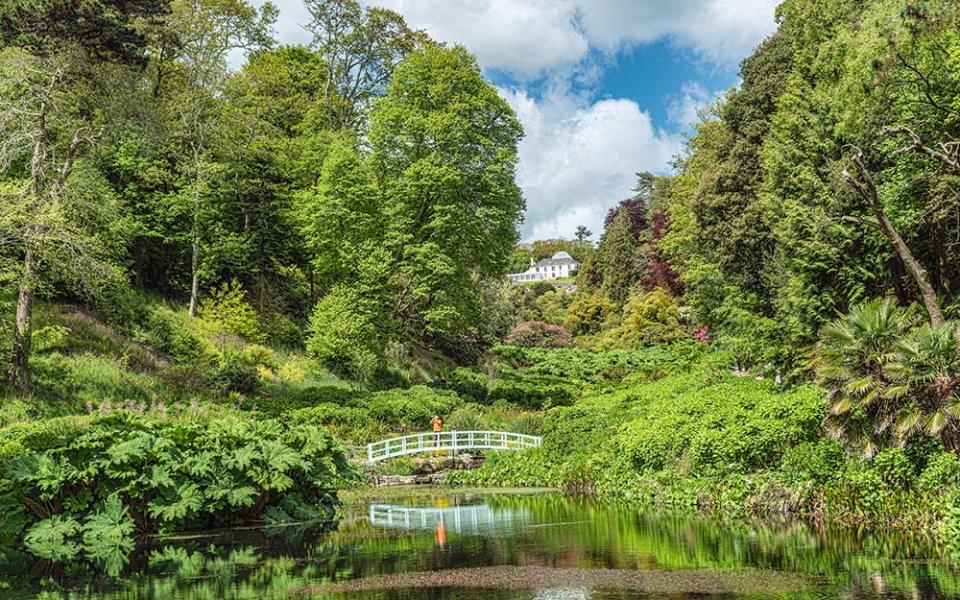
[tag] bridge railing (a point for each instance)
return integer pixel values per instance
(449, 440)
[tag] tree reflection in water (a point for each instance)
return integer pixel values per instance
(543, 530)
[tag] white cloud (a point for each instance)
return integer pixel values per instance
(526, 38)
(530, 38)
(687, 109)
(579, 159)
(720, 31)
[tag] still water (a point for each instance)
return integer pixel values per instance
(437, 544)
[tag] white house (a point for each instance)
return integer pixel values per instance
(559, 265)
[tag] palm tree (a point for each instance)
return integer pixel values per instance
(925, 377)
(852, 361)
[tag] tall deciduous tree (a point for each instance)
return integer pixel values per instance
(46, 123)
(360, 48)
(340, 218)
(445, 152)
(206, 32)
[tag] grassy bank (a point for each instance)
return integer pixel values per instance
(683, 432)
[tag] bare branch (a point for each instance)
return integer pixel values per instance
(859, 221)
(949, 153)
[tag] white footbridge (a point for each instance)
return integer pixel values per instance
(451, 441)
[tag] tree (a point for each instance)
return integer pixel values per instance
(889, 379)
(444, 152)
(106, 29)
(360, 48)
(617, 257)
(340, 217)
(206, 32)
(865, 187)
(582, 234)
(46, 124)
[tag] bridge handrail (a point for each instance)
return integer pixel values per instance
(449, 440)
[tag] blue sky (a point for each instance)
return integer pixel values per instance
(604, 88)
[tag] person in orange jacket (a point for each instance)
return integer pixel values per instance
(437, 423)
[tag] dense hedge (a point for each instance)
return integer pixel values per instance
(87, 485)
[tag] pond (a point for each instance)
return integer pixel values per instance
(508, 545)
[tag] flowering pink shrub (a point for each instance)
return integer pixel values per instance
(537, 334)
(701, 334)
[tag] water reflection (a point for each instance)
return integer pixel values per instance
(542, 533)
(470, 519)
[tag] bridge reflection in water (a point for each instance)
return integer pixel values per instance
(472, 519)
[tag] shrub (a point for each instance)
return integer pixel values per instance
(168, 332)
(466, 418)
(363, 417)
(226, 310)
(51, 337)
(411, 408)
(284, 401)
(342, 336)
(553, 305)
(86, 486)
(941, 474)
(818, 462)
(235, 375)
(466, 383)
(950, 529)
(894, 468)
(649, 319)
(590, 313)
(537, 334)
(532, 393)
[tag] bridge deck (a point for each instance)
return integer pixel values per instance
(449, 440)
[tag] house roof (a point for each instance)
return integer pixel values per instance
(560, 258)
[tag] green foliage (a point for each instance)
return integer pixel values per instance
(894, 468)
(467, 418)
(443, 139)
(88, 485)
(235, 374)
(106, 28)
(613, 365)
(341, 216)
(52, 337)
(366, 417)
(226, 311)
(890, 379)
(616, 258)
(732, 425)
(590, 313)
(816, 462)
(553, 305)
(343, 337)
(467, 384)
(649, 319)
(941, 474)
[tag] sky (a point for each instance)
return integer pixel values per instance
(604, 88)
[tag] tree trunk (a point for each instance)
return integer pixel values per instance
(927, 292)
(867, 189)
(19, 375)
(195, 278)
